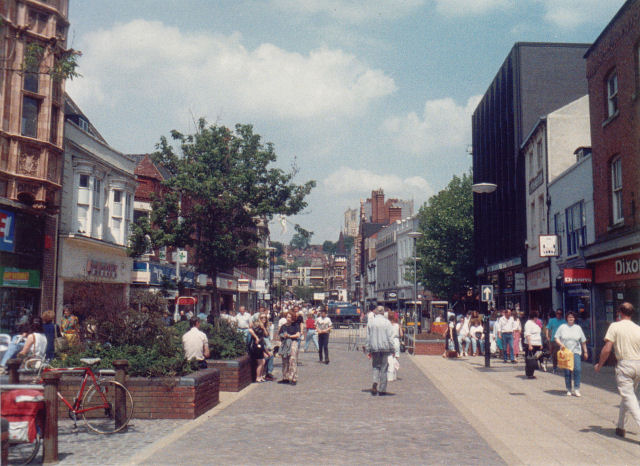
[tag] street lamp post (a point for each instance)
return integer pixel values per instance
(271, 250)
(415, 235)
(485, 188)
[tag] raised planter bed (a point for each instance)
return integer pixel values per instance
(161, 397)
(427, 344)
(235, 374)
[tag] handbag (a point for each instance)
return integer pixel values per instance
(565, 359)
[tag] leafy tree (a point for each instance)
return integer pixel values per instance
(221, 184)
(446, 265)
(329, 247)
(279, 248)
(301, 239)
(348, 242)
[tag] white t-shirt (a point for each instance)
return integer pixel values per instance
(193, 343)
(533, 331)
(243, 320)
(475, 329)
(323, 323)
(572, 337)
(625, 336)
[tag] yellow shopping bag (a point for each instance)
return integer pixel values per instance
(565, 359)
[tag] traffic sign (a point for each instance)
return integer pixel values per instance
(486, 292)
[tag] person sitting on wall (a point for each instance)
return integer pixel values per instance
(196, 344)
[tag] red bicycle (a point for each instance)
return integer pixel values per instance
(96, 398)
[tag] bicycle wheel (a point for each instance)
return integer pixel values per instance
(100, 401)
(24, 453)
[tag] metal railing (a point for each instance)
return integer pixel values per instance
(357, 336)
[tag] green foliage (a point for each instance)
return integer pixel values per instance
(301, 239)
(225, 341)
(157, 360)
(304, 293)
(279, 248)
(141, 298)
(222, 182)
(348, 242)
(446, 265)
(65, 64)
(329, 247)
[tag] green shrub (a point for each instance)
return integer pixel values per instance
(225, 341)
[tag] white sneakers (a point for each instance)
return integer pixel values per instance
(575, 393)
(568, 393)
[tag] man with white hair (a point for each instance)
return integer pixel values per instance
(379, 346)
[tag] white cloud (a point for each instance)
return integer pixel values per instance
(352, 11)
(443, 124)
(470, 7)
(215, 72)
(348, 180)
(573, 13)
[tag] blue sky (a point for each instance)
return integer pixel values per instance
(358, 94)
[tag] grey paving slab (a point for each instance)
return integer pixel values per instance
(331, 418)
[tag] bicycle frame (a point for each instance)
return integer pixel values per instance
(87, 372)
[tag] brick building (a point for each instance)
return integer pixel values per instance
(31, 125)
(613, 74)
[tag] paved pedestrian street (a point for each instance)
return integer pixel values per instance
(330, 417)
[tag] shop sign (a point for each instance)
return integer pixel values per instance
(548, 245)
(7, 230)
(224, 283)
(390, 295)
(622, 268)
(243, 285)
(261, 286)
(578, 292)
(19, 278)
(577, 276)
(102, 269)
(538, 279)
(520, 281)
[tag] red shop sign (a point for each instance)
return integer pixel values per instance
(578, 276)
(618, 269)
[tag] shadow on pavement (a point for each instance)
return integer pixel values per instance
(608, 432)
(557, 392)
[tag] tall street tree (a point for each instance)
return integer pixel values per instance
(221, 184)
(446, 265)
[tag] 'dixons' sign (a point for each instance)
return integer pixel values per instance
(102, 269)
(577, 276)
(619, 268)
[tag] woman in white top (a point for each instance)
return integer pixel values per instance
(533, 341)
(36, 344)
(476, 332)
(571, 336)
(463, 335)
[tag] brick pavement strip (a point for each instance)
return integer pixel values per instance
(331, 418)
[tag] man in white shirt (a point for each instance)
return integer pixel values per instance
(506, 326)
(243, 320)
(196, 344)
(624, 337)
(323, 326)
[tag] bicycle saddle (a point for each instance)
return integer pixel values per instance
(90, 361)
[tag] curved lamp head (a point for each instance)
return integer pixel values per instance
(414, 234)
(484, 188)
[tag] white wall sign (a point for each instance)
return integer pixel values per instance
(548, 245)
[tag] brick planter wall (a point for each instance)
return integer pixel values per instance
(235, 374)
(161, 398)
(428, 347)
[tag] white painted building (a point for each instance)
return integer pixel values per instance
(96, 211)
(547, 152)
(572, 220)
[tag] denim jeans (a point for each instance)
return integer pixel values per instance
(507, 346)
(13, 349)
(577, 372)
(464, 341)
(323, 346)
(311, 335)
(477, 345)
